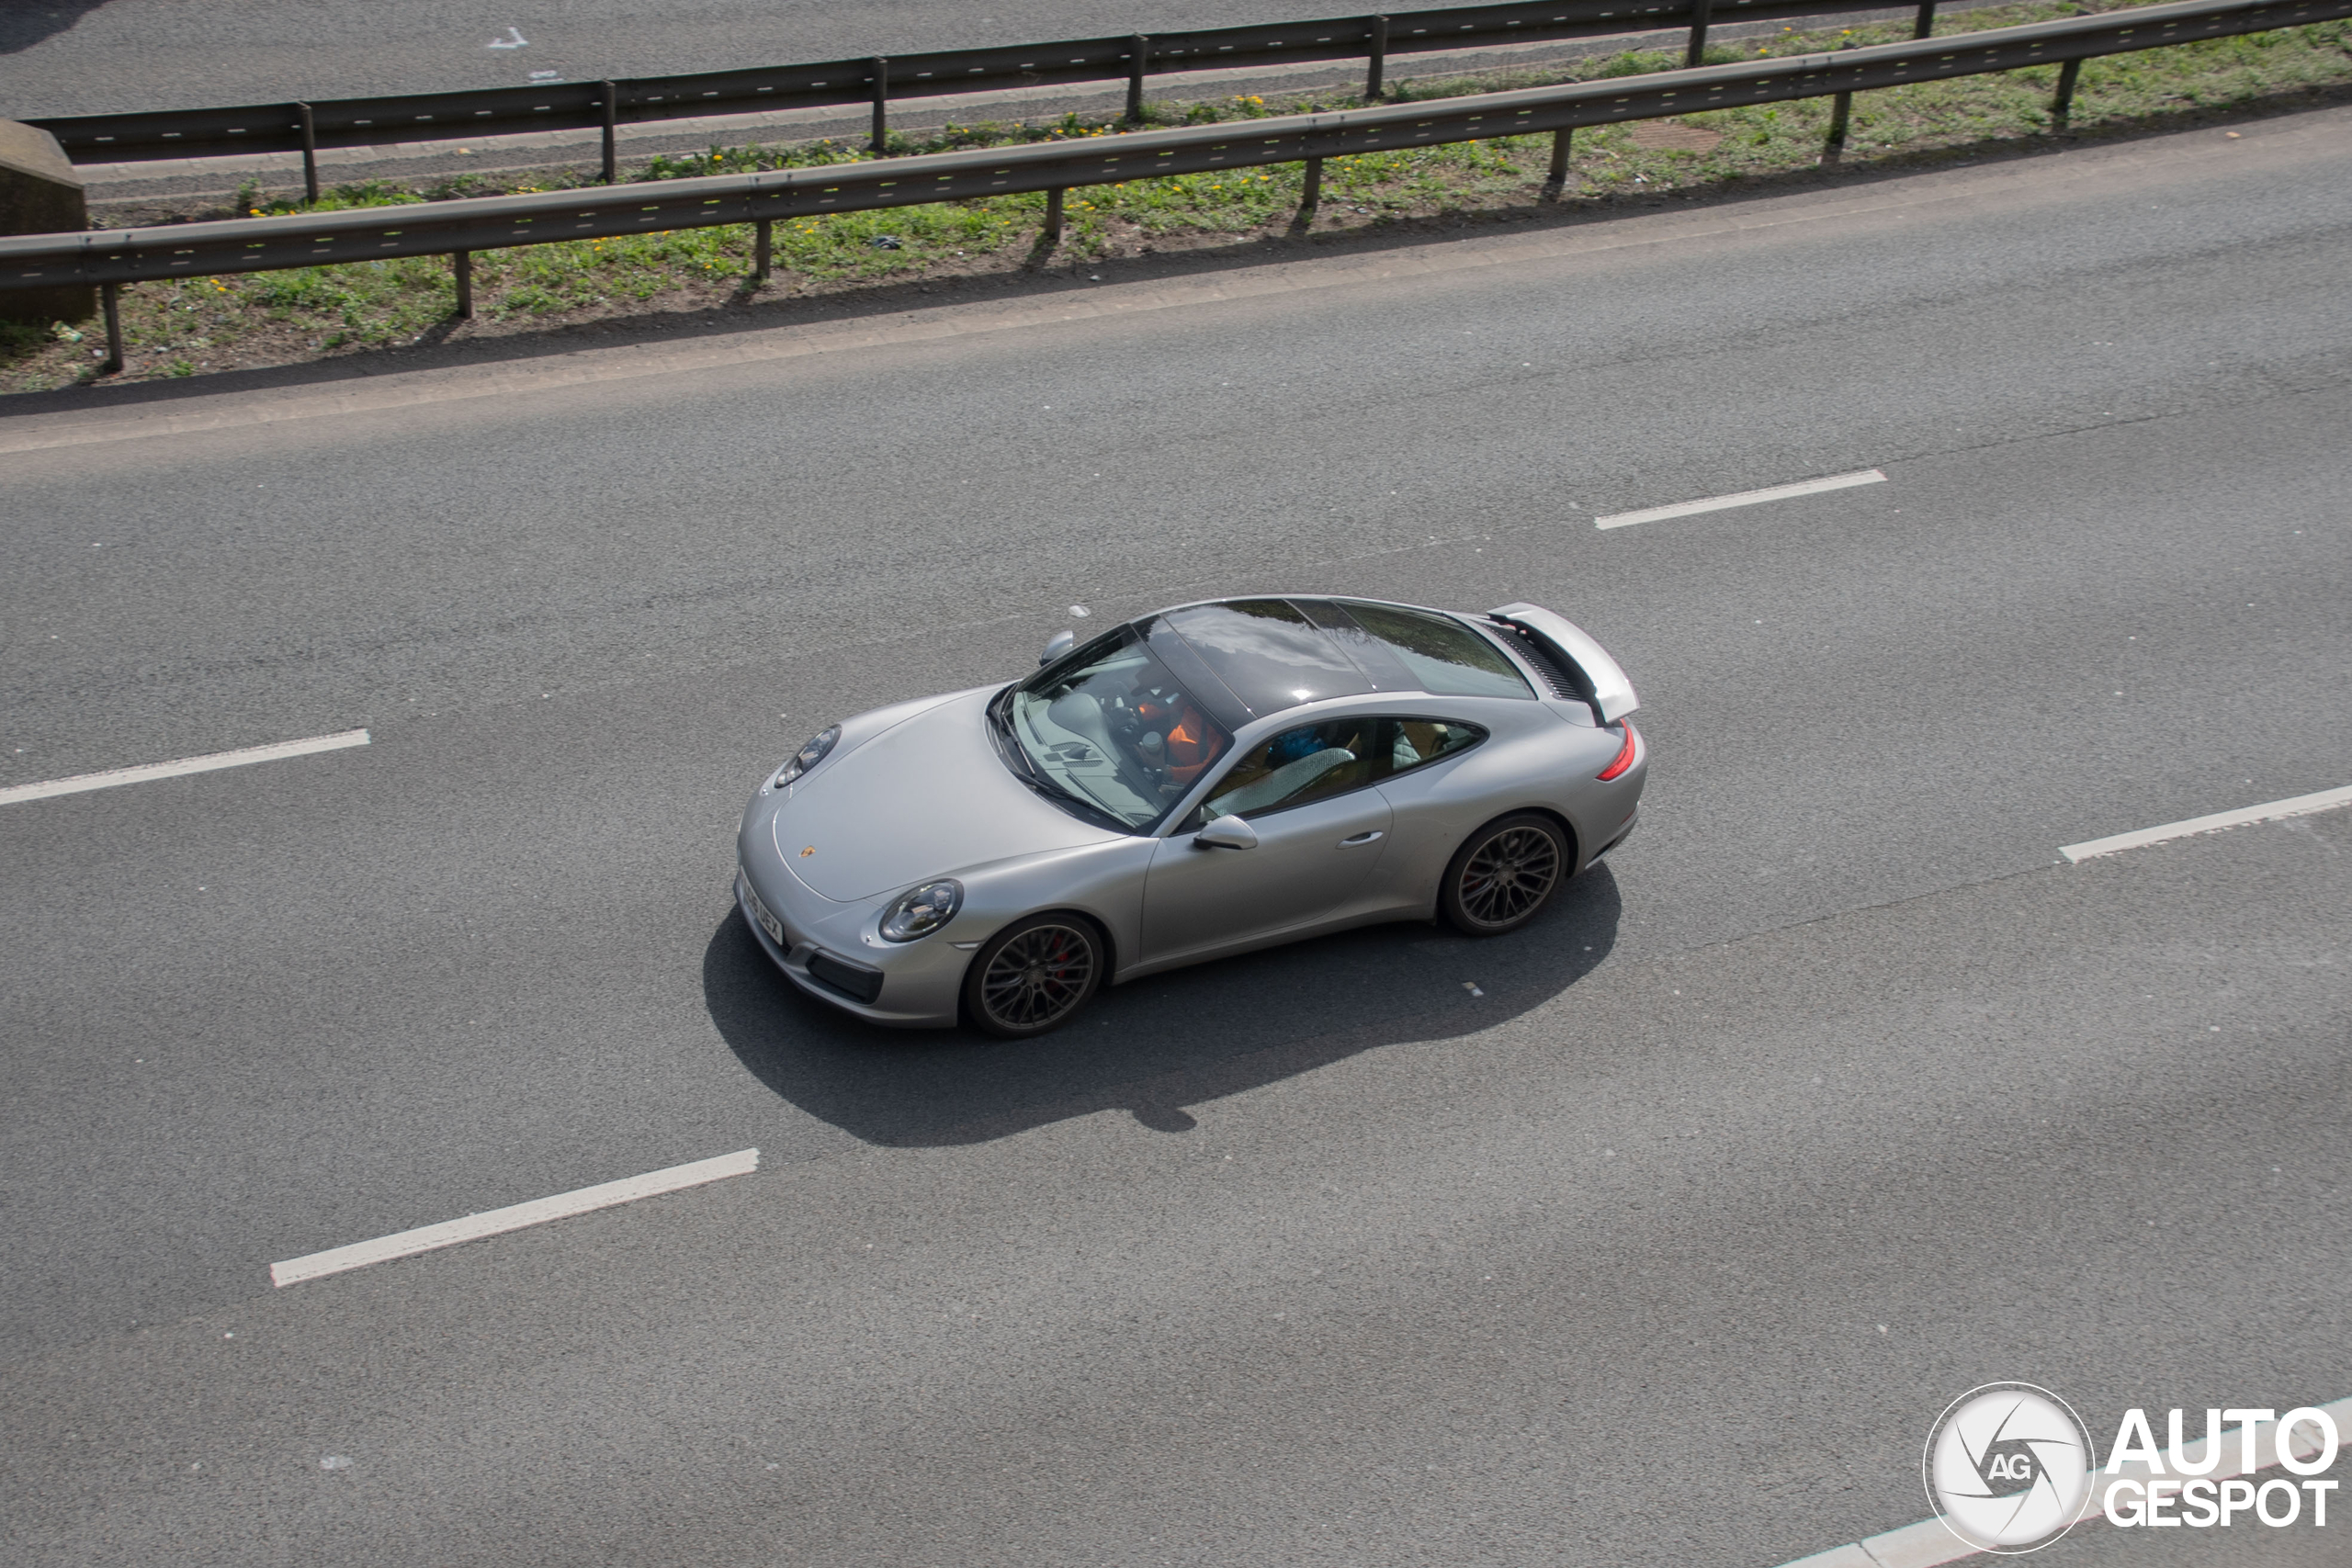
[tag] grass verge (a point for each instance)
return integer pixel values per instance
(194, 325)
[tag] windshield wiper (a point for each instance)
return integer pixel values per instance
(1008, 744)
(1024, 768)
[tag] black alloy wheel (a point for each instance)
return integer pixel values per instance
(1033, 975)
(1504, 875)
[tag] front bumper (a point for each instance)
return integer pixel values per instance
(911, 985)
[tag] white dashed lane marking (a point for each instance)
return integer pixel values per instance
(2301, 806)
(538, 1212)
(205, 764)
(1744, 498)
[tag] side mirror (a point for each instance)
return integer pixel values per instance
(1228, 833)
(1061, 642)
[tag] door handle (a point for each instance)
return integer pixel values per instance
(1360, 839)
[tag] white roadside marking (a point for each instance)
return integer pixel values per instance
(250, 755)
(1745, 498)
(1931, 1543)
(2301, 806)
(538, 1212)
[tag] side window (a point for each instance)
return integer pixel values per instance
(1413, 741)
(1313, 761)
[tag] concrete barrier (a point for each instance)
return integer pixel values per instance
(41, 194)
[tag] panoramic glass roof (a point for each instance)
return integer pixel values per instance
(1269, 653)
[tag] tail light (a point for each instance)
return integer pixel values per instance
(1625, 754)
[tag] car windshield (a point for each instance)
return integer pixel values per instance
(1116, 732)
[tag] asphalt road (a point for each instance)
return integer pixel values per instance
(97, 56)
(60, 57)
(1832, 1095)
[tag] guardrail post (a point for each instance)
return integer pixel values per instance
(1701, 12)
(110, 297)
(1310, 195)
(310, 156)
(763, 243)
(1841, 109)
(2061, 103)
(1926, 26)
(1054, 216)
(461, 266)
(1138, 51)
(1374, 83)
(881, 142)
(612, 133)
(1556, 181)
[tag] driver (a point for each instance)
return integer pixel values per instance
(1192, 742)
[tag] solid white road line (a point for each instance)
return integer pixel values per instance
(1931, 1543)
(1745, 498)
(2301, 806)
(251, 755)
(538, 1212)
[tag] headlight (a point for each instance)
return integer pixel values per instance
(808, 757)
(922, 911)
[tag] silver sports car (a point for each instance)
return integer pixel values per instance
(1198, 781)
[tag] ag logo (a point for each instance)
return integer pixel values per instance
(2008, 1467)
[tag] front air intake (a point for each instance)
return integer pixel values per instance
(855, 981)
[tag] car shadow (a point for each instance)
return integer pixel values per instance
(25, 25)
(1156, 1046)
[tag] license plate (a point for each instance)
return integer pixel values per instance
(768, 923)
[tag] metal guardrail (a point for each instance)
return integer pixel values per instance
(306, 128)
(112, 258)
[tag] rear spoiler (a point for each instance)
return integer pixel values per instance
(1596, 677)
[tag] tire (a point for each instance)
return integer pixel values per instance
(1034, 976)
(1504, 873)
